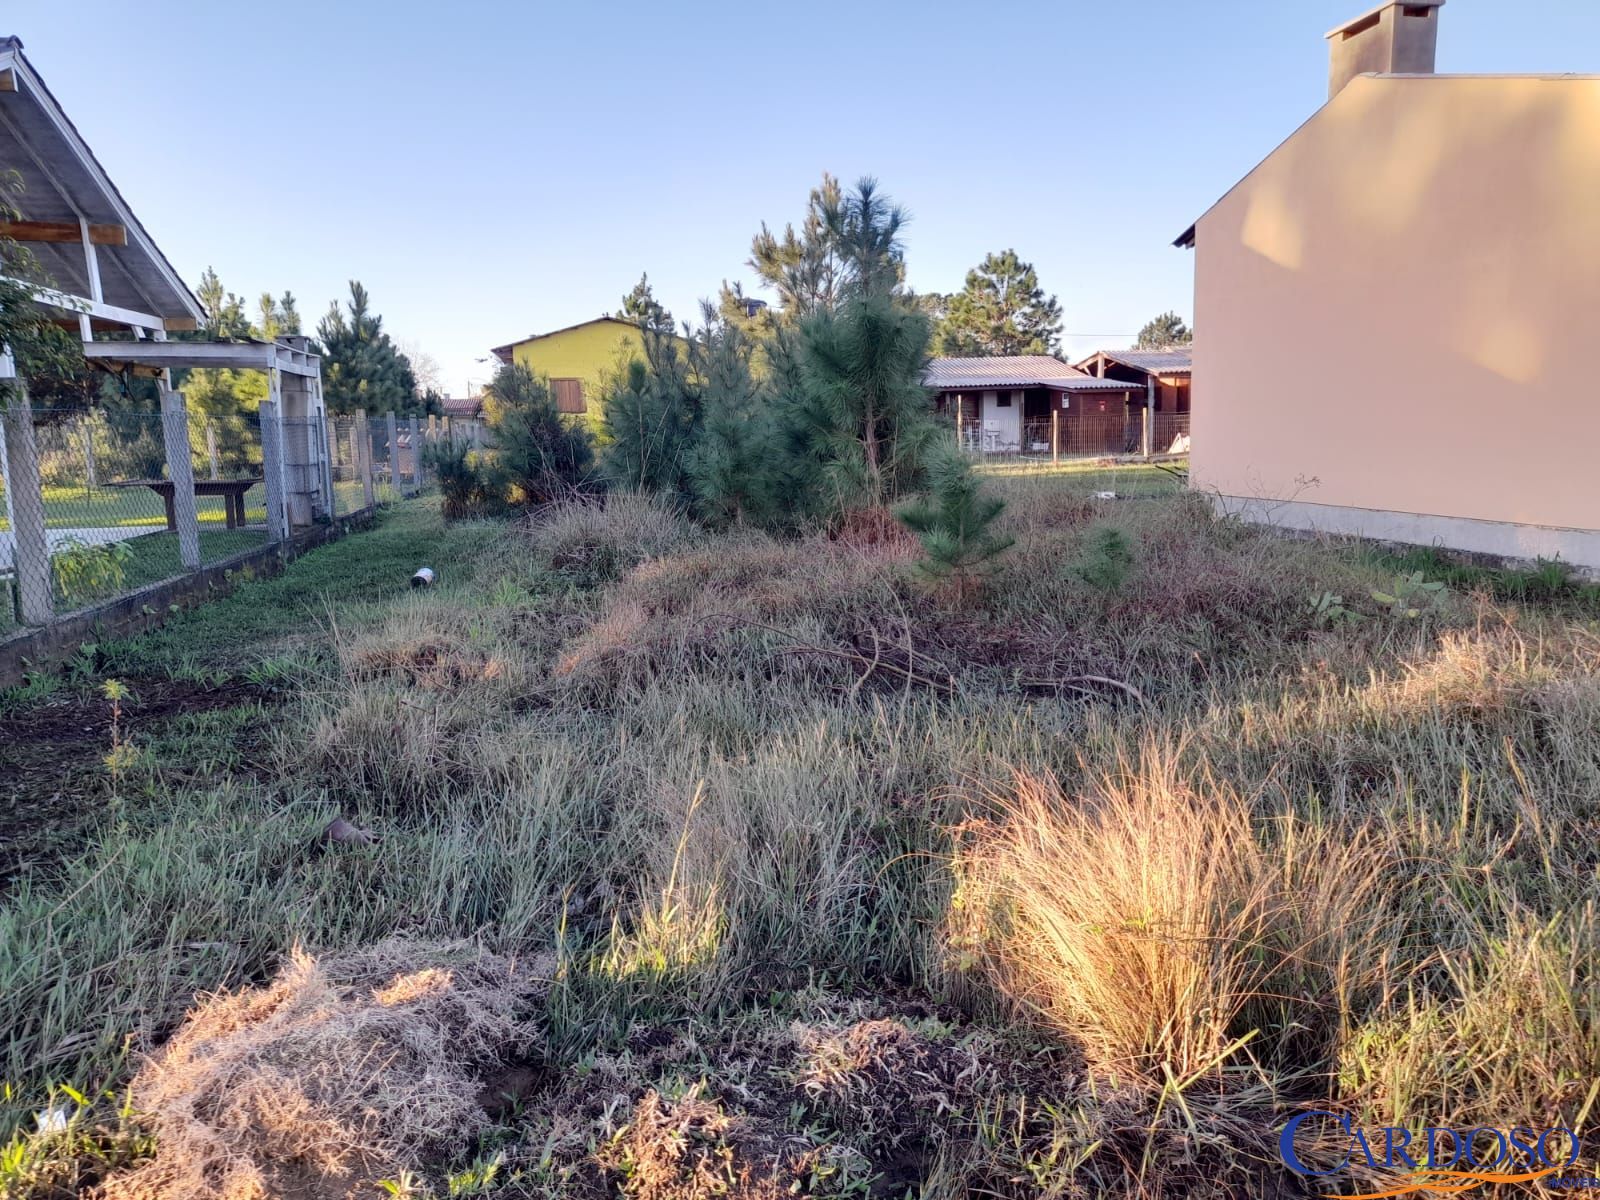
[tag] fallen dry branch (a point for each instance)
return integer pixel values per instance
(1077, 682)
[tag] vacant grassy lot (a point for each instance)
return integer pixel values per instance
(677, 864)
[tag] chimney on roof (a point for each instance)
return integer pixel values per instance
(1393, 39)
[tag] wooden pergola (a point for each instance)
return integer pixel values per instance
(105, 273)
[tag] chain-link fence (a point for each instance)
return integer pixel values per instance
(93, 508)
(382, 433)
(352, 488)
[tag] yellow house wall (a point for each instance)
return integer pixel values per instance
(589, 352)
(1396, 310)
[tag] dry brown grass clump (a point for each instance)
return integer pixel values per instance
(595, 540)
(1166, 931)
(692, 1148)
(673, 613)
(341, 1072)
(429, 646)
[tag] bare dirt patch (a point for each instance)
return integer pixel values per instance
(53, 779)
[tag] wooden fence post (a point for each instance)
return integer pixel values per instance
(391, 431)
(416, 455)
(1055, 435)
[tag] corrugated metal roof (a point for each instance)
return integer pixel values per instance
(462, 406)
(1017, 370)
(1173, 361)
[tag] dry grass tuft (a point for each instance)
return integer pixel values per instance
(1164, 930)
(673, 614)
(692, 1149)
(596, 540)
(339, 1073)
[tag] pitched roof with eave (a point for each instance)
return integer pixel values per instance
(1173, 361)
(503, 353)
(1011, 371)
(1186, 239)
(61, 181)
(462, 406)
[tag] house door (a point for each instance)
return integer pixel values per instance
(1002, 422)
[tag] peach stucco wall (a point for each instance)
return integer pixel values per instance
(1400, 308)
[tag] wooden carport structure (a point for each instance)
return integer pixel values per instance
(100, 269)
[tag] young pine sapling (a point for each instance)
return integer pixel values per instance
(954, 525)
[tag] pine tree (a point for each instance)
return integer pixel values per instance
(288, 314)
(361, 366)
(649, 418)
(1001, 310)
(225, 318)
(642, 308)
(728, 461)
(866, 225)
(538, 455)
(224, 400)
(848, 245)
(860, 416)
(1163, 332)
(804, 269)
(953, 523)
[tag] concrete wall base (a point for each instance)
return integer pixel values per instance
(1503, 541)
(40, 649)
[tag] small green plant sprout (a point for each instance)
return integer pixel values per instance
(953, 524)
(1328, 611)
(479, 1179)
(408, 1185)
(1412, 596)
(85, 571)
(122, 754)
(1106, 560)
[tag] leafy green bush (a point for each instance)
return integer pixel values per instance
(85, 571)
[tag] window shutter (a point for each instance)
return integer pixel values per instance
(569, 395)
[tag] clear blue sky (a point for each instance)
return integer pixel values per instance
(492, 170)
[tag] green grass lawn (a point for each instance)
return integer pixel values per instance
(105, 508)
(794, 875)
(1126, 479)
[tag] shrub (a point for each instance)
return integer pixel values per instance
(87, 571)
(954, 524)
(539, 455)
(1106, 560)
(1164, 932)
(466, 480)
(597, 540)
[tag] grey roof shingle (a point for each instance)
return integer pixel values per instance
(1173, 361)
(1012, 371)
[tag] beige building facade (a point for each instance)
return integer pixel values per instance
(1395, 312)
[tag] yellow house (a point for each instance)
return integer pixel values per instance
(578, 359)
